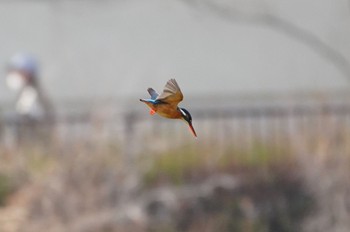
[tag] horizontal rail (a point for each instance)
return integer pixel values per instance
(258, 111)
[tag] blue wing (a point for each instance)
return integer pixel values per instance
(153, 101)
(153, 93)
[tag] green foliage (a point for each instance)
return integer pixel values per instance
(174, 165)
(177, 165)
(5, 188)
(272, 196)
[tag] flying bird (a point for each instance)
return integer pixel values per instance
(166, 104)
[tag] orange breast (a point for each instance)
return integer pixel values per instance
(165, 110)
(168, 112)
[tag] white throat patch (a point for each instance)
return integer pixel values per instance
(183, 112)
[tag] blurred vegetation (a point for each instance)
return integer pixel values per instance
(90, 186)
(189, 161)
(272, 190)
(5, 188)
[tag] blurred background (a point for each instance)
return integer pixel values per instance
(267, 83)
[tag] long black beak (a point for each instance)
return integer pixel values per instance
(192, 129)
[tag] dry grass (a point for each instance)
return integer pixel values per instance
(299, 183)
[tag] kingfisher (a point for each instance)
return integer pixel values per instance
(166, 104)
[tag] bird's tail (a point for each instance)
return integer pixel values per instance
(148, 101)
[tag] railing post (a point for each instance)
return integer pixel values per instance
(130, 119)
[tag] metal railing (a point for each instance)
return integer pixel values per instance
(136, 131)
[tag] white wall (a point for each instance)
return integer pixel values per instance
(119, 48)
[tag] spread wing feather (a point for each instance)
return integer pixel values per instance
(153, 93)
(172, 93)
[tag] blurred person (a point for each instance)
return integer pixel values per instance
(33, 113)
